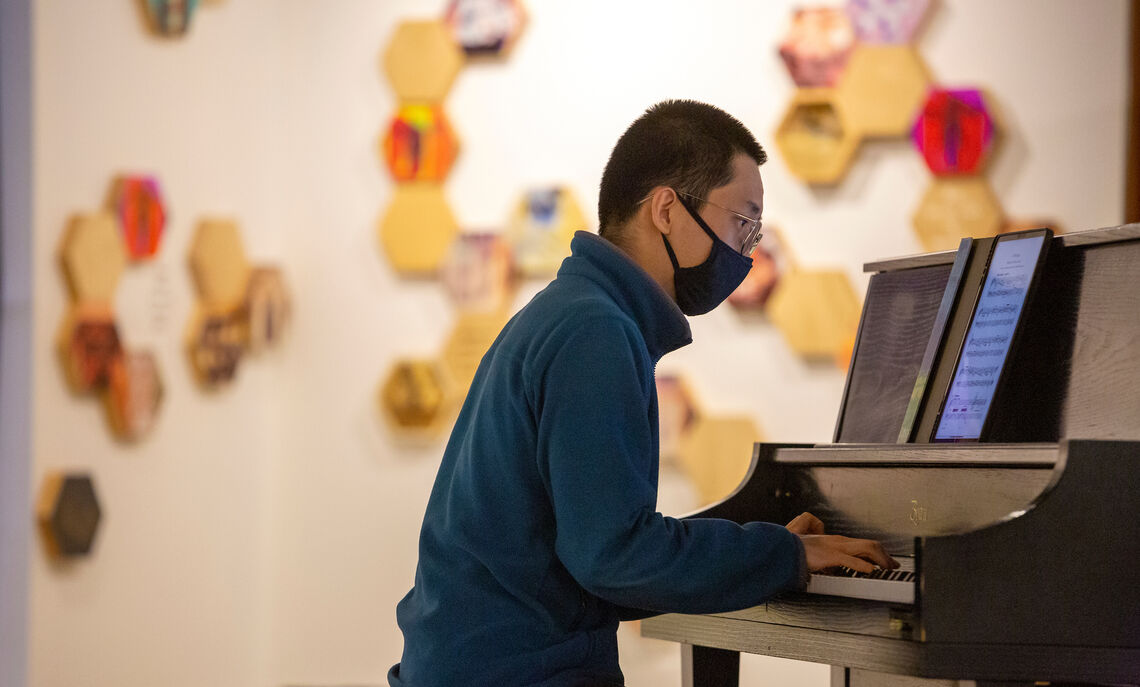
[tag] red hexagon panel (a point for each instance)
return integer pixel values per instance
(817, 46)
(954, 132)
(485, 28)
(138, 205)
(886, 21)
(89, 346)
(477, 271)
(420, 144)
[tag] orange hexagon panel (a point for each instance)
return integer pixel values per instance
(216, 343)
(137, 203)
(422, 61)
(716, 453)
(769, 262)
(93, 257)
(815, 138)
(415, 396)
(817, 311)
(485, 28)
(267, 308)
(134, 395)
(882, 89)
(417, 229)
(677, 412)
(420, 144)
(89, 346)
(541, 229)
(473, 334)
(954, 208)
(886, 21)
(218, 261)
(68, 514)
(817, 46)
(477, 272)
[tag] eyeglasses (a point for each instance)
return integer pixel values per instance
(752, 238)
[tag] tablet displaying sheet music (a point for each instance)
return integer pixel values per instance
(1009, 281)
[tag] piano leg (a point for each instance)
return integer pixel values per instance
(703, 666)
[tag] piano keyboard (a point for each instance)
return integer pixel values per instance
(894, 586)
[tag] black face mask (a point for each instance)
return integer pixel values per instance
(703, 287)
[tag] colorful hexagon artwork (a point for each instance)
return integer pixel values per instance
(170, 17)
(954, 132)
(716, 453)
(422, 60)
(89, 346)
(676, 414)
(477, 272)
(420, 145)
(216, 344)
(218, 261)
(473, 334)
(886, 21)
(267, 308)
(815, 139)
(769, 261)
(955, 208)
(485, 28)
(93, 257)
(68, 514)
(418, 229)
(817, 46)
(134, 395)
(882, 89)
(137, 202)
(817, 311)
(415, 395)
(540, 231)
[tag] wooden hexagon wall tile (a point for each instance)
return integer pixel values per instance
(677, 412)
(477, 272)
(422, 60)
(886, 21)
(138, 205)
(816, 311)
(485, 28)
(954, 132)
(815, 138)
(170, 18)
(93, 257)
(218, 261)
(716, 453)
(473, 334)
(882, 89)
(68, 514)
(415, 397)
(541, 229)
(955, 208)
(216, 344)
(89, 346)
(134, 394)
(420, 144)
(417, 229)
(817, 46)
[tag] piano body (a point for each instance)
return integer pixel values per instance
(1021, 552)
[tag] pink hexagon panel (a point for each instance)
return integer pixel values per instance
(816, 48)
(420, 145)
(134, 395)
(477, 271)
(954, 132)
(485, 28)
(887, 21)
(769, 262)
(677, 411)
(138, 205)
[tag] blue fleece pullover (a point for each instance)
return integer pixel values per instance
(542, 529)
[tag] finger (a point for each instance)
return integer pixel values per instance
(814, 524)
(870, 550)
(859, 564)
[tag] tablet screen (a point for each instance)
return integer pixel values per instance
(988, 338)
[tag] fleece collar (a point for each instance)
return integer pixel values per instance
(662, 324)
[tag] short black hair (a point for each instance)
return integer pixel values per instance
(684, 144)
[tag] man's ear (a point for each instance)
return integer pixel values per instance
(663, 206)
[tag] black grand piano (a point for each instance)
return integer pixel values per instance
(1020, 548)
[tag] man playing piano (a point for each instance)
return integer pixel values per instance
(542, 532)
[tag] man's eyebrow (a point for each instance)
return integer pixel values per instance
(754, 208)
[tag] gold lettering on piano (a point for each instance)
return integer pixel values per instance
(917, 513)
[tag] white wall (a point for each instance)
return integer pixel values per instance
(263, 534)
